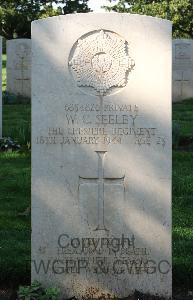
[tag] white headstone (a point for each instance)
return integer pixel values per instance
(101, 159)
(182, 69)
(1, 104)
(19, 67)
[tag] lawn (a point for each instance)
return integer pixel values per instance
(183, 199)
(16, 122)
(14, 224)
(15, 170)
(15, 199)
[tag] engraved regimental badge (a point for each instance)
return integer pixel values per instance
(100, 62)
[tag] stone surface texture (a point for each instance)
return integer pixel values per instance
(182, 69)
(19, 67)
(101, 155)
(1, 104)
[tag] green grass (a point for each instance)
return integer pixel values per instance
(15, 198)
(182, 218)
(182, 209)
(14, 228)
(183, 115)
(17, 122)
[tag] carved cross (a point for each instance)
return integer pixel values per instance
(22, 79)
(101, 181)
(183, 82)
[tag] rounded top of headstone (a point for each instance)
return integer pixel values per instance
(19, 41)
(182, 40)
(101, 15)
(22, 46)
